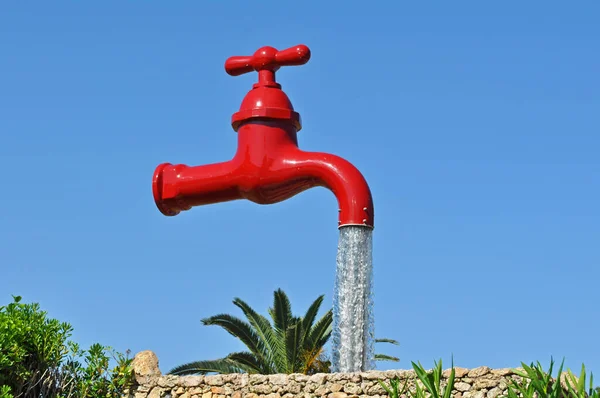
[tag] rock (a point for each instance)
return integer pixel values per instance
(322, 390)
(474, 394)
(485, 382)
(294, 387)
(502, 372)
(244, 379)
(145, 368)
(261, 389)
(339, 378)
(318, 378)
(231, 378)
(372, 375)
(460, 372)
(365, 385)
(256, 379)
(167, 381)
(480, 371)
(310, 387)
(207, 395)
(461, 386)
(336, 387)
(355, 378)
(278, 380)
(249, 395)
(352, 388)
(494, 392)
(566, 380)
(338, 395)
(274, 395)
(155, 393)
(216, 380)
(376, 389)
(301, 378)
(217, 390)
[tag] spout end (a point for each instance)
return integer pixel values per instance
(157, 192)
(364, 225)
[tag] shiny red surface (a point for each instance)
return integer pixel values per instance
(266, 99)
(268, 166)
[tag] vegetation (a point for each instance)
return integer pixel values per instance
(38, 360)
(431, 382)
(538, 383)
(535, 383)
(290, 344)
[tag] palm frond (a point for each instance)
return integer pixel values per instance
(391, 341)
(274, 354)
(320, 332)
(203, 367)
(240, 329)
(281, 311)
(247, 360)
(383, 357)
(293, 347)
(311, 315)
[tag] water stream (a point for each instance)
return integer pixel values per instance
(353, 329)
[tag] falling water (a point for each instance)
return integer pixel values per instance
(353, 331)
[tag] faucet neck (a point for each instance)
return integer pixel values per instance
(266, 78)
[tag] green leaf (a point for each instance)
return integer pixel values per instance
(390, 341)
(202, 367)
(240, 329)
(311, 315)
(273, 355)
(281, 311)
(293, 344)
(320, 333)
(247, 360)
(383, 357)
(450, 384)
(387, 389)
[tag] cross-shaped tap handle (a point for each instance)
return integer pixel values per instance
(266, 61)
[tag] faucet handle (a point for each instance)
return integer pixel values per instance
(266, 61)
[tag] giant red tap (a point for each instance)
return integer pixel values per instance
(268, 166)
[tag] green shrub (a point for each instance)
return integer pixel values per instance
(539, 383)
(38, 360)
(5, 392)
(432, 385)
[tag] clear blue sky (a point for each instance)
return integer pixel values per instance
(477, 125)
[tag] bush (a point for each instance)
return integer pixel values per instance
(38, 360)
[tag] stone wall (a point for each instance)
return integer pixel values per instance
(481, 382)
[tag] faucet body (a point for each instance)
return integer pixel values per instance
(268, 167)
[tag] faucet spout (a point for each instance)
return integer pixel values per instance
(343, 179)
(267, 168)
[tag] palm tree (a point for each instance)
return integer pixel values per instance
(289, 345)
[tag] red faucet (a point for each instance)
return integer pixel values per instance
(268, 166)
